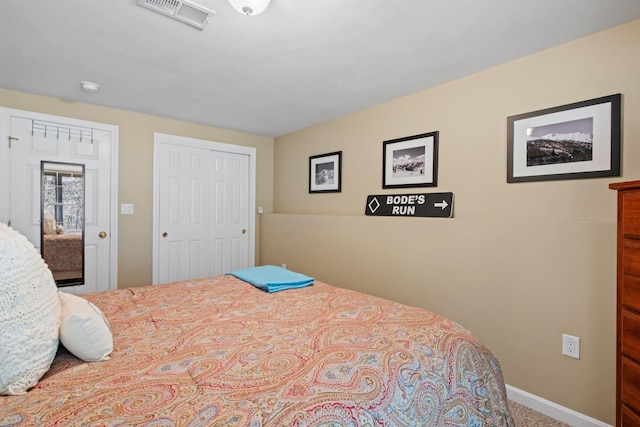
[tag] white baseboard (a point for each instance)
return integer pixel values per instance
(553, 410)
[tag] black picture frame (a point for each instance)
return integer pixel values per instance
(573, 141)
(325, 173)
(411, 161)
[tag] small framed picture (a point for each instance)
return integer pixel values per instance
(411, 161)
(579, 140)
(325, 173)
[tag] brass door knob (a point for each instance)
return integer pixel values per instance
(102, 234)
(165, 234)
(244, 231)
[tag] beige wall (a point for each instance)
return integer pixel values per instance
(135, 169)
(520, 264)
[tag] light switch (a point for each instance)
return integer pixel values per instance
(126, 208)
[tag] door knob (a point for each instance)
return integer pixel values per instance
(165, 234)
(102, 234)
(244, 231)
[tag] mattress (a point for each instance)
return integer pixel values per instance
(220, 352)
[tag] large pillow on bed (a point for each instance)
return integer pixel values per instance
(29, 314)
(84, 329)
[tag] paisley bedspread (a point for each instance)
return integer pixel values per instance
(219, 352)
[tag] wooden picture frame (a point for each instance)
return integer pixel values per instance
(325, 173)
(579, 140)
(411, 161)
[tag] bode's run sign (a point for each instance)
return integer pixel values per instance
(423, 205)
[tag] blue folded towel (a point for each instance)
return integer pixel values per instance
(272, 279)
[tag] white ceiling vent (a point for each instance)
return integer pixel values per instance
(182, 10)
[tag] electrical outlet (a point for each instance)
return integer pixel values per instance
(571, 346)
(284, 265)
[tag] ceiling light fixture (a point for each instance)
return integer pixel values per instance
(250, 7)
(89, 86)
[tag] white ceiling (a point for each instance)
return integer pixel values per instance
(299, 63)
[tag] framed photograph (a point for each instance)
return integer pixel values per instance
(325, 173)
(411, 161)
(580, 140)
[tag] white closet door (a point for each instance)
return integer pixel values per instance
(185, 213)
(230, 212)
(203, 211)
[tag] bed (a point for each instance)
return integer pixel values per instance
(221, 352)
(64, 254)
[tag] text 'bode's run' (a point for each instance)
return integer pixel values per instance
(421, 205)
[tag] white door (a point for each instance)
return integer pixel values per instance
(203, 208)
(37, 137)
(230, 219)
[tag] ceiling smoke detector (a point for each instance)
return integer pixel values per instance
(181, 10)
(90, 87)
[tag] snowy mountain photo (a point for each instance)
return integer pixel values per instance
(563, 142)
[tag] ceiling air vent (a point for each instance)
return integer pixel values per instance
(182, 10)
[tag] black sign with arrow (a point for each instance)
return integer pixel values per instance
(422, 205)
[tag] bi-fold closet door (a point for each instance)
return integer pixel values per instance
(203, 208)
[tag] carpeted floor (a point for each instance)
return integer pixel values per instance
(527, 417)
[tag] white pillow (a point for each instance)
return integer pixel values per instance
(49, 225)
(29, 314)
(84, 329)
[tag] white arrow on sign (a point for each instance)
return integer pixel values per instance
(442, 205)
